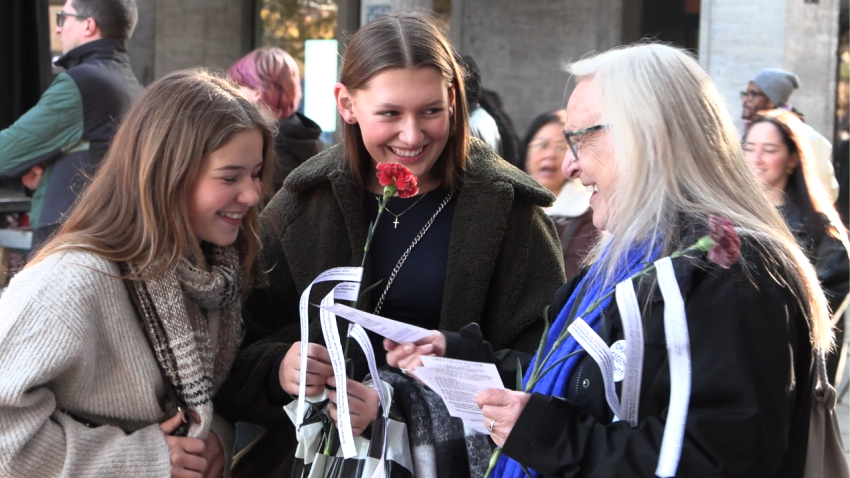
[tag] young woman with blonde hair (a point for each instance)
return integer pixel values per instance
(650, 134)
(116, 336)
(480, 247)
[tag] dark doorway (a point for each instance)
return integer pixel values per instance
(24, 57)
(673, 21)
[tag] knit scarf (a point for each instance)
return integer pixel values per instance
(193, 321)
(440, 445)
(589, 290)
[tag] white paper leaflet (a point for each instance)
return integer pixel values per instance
(599, 351)
(348, 274)
(679, 356)
(630, 316)
(398, 332)
(458, 383)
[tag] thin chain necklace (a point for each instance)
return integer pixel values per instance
(407, 252)
(395, 223)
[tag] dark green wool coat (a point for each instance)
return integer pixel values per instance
(505, 263)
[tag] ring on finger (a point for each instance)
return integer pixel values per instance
(404, 371)
(492, 424)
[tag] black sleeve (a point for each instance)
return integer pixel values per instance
(833, 268)
(271, 322)
(743, 395)
(469, 344)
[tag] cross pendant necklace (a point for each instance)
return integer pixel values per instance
(395, 222)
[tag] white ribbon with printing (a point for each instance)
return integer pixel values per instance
(633, 331)
(343, 291)
(679, 356)
(598, 349)
(352, 275)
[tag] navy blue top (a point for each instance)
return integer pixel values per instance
(416, 294)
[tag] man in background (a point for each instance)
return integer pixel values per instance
(55, 146)
(770, 89)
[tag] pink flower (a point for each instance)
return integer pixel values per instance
(405, 182)
(727, 243)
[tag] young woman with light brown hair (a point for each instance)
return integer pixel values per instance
(490, 255)
(122, 328)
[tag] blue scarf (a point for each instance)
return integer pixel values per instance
(555, 382)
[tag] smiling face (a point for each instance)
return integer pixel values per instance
(595, 165)
(768, 156)
(227, 186)
(404, 116)
(545, 157)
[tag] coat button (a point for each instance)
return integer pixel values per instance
(585, 383)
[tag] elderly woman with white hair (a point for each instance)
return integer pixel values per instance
(725, 391)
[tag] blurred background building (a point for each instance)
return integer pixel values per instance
(519, 46)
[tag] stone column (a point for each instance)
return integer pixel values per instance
(176, 34)
(737, 39)
(520, 47)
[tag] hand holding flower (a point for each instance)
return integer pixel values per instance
(363, 402)
(502, 409)
(407, 355)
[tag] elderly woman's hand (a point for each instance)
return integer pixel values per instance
(406, 356)
(501, 409)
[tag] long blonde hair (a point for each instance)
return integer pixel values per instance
(671, 128)
(135, 209)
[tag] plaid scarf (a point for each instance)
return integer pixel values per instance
(193, 321)
(440, 445)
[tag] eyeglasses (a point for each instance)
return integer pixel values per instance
(60, 17)
(571, 134)
(751, 95)
(543, 145)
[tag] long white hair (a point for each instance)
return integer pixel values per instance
(678, 159)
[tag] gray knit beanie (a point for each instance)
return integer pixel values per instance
(777, 84)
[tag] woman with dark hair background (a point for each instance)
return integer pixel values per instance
(485, 113)
(783, 164)
(543, 150)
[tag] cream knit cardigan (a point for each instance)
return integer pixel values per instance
(70, 340)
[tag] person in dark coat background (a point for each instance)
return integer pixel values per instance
(56, 145)
(543, 150)
(269, 77)
(777, 151)
(732, 332)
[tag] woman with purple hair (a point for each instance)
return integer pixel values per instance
(269, 77)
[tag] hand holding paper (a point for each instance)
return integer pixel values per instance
(406, 355)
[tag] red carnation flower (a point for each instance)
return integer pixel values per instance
(727, 247)
(394, 173)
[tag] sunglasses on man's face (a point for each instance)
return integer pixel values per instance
(60, 17)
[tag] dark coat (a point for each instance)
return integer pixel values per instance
(577, 236)
(297, 141)
(748, 414)
(832, 264)
(504, 265)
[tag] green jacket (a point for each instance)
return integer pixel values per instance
(505, 263)
(69, 129)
